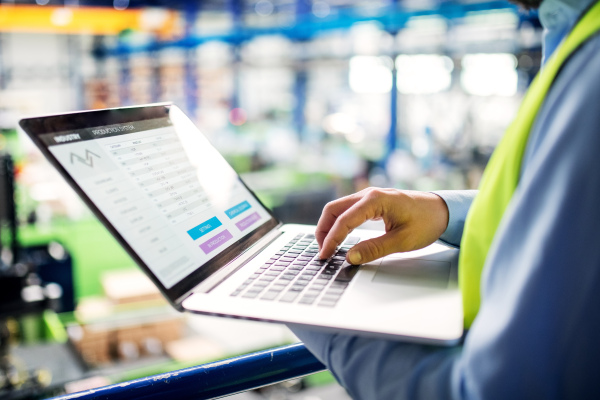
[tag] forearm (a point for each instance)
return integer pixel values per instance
(384, 369)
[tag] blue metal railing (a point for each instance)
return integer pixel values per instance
(214, 380)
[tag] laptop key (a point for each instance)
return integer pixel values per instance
(341, 284)
(282, 263)
(250, 295)
(324, 277)
(327, 303)
(258, 287)
(307, 300)
(278, 287)
(289, 297)
(331, 296)
(347, 272)
(270, 295)
(335, 290)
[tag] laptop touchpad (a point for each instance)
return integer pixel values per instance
(413, 271)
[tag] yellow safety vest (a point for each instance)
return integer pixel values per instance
(501, 176)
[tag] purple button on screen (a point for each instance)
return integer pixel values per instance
(216, 241)
(248, 221)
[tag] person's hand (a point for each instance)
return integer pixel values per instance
(413, 220)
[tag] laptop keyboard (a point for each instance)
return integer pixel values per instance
(295, 274)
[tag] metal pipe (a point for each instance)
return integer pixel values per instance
(214, 380)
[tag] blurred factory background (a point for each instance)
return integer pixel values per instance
(309, 100)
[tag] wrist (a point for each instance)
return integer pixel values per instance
(440, 215)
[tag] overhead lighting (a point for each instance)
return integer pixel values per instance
(424, 73)
(120, 4)
(489, 74)
(370, 74)
(321, 9)
(264, 8)
(61, 17)
(339, 124)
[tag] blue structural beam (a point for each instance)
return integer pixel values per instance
(392, 137)
(191, 60)
(303, 8)
(124, 74)
(156, 81)
(391, 18)
(235, 8)
(214, 380)
(300, 90)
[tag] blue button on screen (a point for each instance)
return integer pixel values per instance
(237, 209)
(205, 227)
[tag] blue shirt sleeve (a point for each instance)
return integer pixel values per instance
(536, 335)
(458, 202)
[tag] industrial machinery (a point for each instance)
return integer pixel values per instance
(22, 293)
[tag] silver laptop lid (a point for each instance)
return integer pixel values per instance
(159, 186)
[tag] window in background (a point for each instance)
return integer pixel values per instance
(424, 73)
(370, 74)
(489, 74)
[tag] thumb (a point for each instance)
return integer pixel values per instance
(372, 249)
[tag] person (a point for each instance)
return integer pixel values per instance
(534, 331)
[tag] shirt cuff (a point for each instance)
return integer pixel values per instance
(458, 203)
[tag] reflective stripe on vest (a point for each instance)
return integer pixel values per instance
(501, 176)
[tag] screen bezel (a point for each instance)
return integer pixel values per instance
(37, 126)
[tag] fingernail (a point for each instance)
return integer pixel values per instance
(354, 257)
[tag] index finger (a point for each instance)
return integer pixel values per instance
(331, 212)
(355, 215)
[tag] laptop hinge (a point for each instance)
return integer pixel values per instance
(215, 279)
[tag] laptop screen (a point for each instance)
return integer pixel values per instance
(159, 186)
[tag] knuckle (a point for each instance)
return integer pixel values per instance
(328, 206)
(375, 193)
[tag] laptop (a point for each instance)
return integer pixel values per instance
(211, 247)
